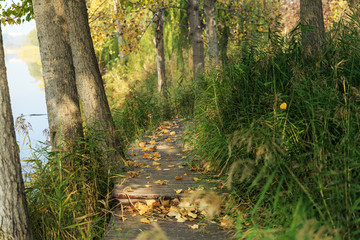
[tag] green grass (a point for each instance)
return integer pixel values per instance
(291, 165)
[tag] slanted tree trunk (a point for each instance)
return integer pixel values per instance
(160, 55)
(119, 33)
(88, 78)
(313, 31)
(212, 38)
(14, 216)
(197, 38)
(61, 94)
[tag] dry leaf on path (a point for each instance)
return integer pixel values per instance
(168, 159)
(195, 226)
(153, 142)
(179, 178)
(160, 182)
(147, 155)
(145, 220)
(168, 139)
(142, 144)
(172, 133)
(196, 179)
(156, 155)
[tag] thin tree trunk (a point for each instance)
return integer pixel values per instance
(160, 55)
(61, 94)
(14, 216)
(212, 39)
(313, 33)
(88, 78)
(119, 33)
(197, 38)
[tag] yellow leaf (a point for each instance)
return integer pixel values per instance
(168, 139)
(145, 220)
(119, 229)
(283, 106)
(196, 179)
(172, 133)
(153, 142)
(178, 178)
(147, 155)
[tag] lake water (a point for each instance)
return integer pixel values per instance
(27, 97)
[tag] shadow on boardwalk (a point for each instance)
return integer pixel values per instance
(153, 192)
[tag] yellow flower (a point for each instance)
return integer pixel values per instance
(283, 106)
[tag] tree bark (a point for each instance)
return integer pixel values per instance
(61, 94)
(212, 38)
(313, 30)
(197, 38)
(88, 78)
(160, 55)
(119, 33)
(14, 216)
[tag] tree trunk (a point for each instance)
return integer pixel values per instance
(62, 98)
(119, 33)
(160, 55)
(88, 78)
(212, 38)
(313, 30)
(197, 39)
(14, 216)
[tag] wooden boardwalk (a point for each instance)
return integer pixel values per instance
(157, 182)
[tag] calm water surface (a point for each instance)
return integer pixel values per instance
(27, 97)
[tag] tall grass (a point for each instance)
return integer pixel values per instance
(294, 163)
(69, 192)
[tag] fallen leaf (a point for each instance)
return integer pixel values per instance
(150, 202)
(119, 229)
(168, 139)
(195, 226)
(158, 168)
(147, 155)
(178, 191)
(171, 147)
(171, 166)
(160, 182)
(185, 174)
(153, 142)
(172, 133)
(180, 166)
(196, 179)
(178, 178)
(145, 220)
(148, 177)
(153, 148)
(168, 159)
(193, 215)
(156, 155)
(133, 154)
(156, 164)
(128, 189)
(142, 144)
(165, 131)
(132, 174)
(148, 186)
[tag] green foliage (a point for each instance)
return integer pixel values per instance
(301, 160)
(16, 13)
(68, 192)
